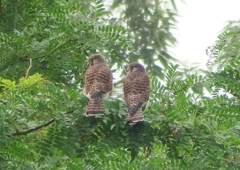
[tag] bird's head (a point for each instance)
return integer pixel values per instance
(95, 59)
(135, 67)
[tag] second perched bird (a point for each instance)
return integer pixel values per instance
(136, 87)
(98, 84)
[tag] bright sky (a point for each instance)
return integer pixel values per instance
(199, 24)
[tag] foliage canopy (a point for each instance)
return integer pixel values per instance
(43, 47)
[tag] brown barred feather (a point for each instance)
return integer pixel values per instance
(98, 84)
(95, 107)
(137, 117)
(136, 89)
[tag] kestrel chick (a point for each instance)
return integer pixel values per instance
(136, 87)
(98, 84)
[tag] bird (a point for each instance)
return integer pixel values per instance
(98, 84)
(136, 89)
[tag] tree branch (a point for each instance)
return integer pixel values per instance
(52, 51)
(37, 127)
(33, 129)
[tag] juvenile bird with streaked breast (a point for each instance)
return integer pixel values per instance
(136, 88)
(98, 84)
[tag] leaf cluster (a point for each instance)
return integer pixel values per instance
(42, 119)
(149, 24)
(57, 37)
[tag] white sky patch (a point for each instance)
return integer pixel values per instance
(199, 24)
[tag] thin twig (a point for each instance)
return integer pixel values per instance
(44, 55)
(30, 66)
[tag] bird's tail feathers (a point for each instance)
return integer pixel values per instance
(132, 109)
(137, 117)
(95, 107)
